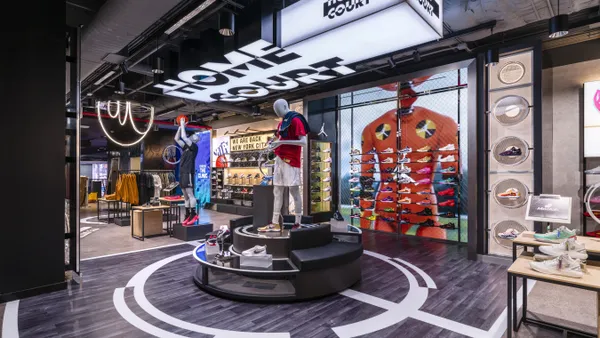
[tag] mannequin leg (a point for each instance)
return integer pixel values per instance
(295, 192)
(189, 192)
(278, 194)
(187, 205)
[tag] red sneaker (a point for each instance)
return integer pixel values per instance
(192, 221)
(186, 220)
(593, 233)
(447, 192)
(448, 203)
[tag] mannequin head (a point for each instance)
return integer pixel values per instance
(281, 107)
(195, 138)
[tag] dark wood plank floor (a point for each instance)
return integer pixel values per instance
(472, 293)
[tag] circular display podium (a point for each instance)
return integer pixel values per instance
(301, 264)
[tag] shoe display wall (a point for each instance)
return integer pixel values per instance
(411, 159)
(510, 149)
(591, 199)
(320, 177)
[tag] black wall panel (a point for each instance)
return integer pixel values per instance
(32, 83)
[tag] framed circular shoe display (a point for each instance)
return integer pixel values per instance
(511, 73)
(510, 151)
(510, 193)
(502, 227)
(511, 110)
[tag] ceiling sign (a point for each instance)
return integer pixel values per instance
(340, 33)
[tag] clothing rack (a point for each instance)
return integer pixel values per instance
(147, 171)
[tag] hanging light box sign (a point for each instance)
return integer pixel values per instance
(341, 33)
(249, 143)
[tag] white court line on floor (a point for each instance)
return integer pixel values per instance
(444, 323)
(134, 251)
(10, 328)
(428, 280)
(138, 282)
(129, 316)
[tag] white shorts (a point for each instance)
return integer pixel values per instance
(285, 175)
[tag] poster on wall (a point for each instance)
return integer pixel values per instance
(220, 152)
(249, 143)
(591, 119)
(202, 183)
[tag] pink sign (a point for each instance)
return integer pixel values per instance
(597, 99)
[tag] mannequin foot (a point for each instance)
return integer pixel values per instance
(270, 228)
(192, 221)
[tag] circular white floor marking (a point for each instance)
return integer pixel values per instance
(396, 312)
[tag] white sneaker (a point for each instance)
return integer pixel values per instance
(388, 160)
(404, 170)
(449, 147)
(561, 266)
(509, 234)
(326, 170)
(449, 158)
(257, 250)
(593, 171)
(570, 247)
(388, 151)
(405, 179)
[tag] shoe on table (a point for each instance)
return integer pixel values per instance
(270, 228)
(556, 236)
(257, 250)
(570, 247)
(561, 266)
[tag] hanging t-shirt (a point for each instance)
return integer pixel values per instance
(291, 154)
(188, 159)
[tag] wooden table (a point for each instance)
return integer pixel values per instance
(177, 203)
(143, 209)
(117, 207)
(525, 239)
(520, 268)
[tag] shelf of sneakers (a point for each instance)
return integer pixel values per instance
(320, 176)
(216, 182)
(427, 223)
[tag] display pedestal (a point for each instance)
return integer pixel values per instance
(191, 232)
(256, 262)
(263, 200)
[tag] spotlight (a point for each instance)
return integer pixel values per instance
(558, 26)
(90, 94)
(227, 24)
(492, 57)
(120, 87)
(158, 65)
(391, 62)
(416, 56)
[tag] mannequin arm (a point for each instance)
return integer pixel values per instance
(302, 142)
(184, 135)
(178, 137)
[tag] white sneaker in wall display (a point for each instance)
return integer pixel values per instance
(449, 147)
(449, 158)
(593, 171)
(257, 250)
(561, 266)
(509, 234)
(570, 247)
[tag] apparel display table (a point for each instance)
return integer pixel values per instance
(175, 204)
(115, 205)
(155, 222)
(521, 268)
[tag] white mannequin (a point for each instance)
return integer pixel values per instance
(281, 108)
(188, 192)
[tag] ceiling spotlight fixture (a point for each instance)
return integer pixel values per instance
(90, 94)
(492, 57)
(558, 26)
(120, 87)
(416, 56)
(391, 62)
(227, 24)
(158, 67)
